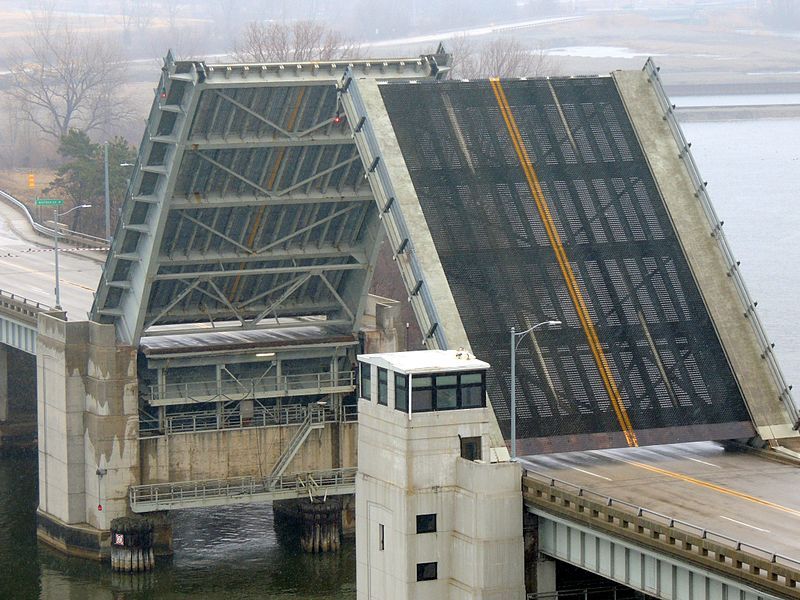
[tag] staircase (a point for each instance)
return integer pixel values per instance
(315, 419)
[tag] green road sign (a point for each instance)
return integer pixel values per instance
(49, 202)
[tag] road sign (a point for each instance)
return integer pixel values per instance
(31, 181)
(49, 202)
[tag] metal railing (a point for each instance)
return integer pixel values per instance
(76, 237)
(232, 419)
(714, 550)
(210, 492)
(589, 593)
(20, 306)
(699, 185)
(246, 389)
(396, 228)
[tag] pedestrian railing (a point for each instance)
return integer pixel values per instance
(216, 492)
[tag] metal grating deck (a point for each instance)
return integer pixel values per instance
(651, 323)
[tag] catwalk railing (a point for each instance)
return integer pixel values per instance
(228, 419)
(217, 492)
(713, 551)
(245, 389)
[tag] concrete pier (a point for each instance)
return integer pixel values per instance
(88, 433)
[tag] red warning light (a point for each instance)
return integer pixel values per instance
(99, 507)
(337, 119)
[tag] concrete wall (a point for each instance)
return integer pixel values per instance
(87, 421)
(222, 454)
(407, 468)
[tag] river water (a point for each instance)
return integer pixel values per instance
(219, 554)
(753, 170)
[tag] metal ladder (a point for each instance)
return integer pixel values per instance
(315, 419)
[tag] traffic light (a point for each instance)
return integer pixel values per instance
(31, 181)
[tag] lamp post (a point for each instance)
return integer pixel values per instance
(107, 192)
(56, 215)
(516, 338)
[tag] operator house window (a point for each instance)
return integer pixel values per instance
(427, 571)
(448, 391)
(421, 394)
(366, 389)
(426, 523)
(401, 392)
(383, 387)
(473, 390)
(381, 537)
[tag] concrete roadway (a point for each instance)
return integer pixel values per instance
(27, 267)
(741, 495)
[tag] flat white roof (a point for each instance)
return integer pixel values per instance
(425, 361)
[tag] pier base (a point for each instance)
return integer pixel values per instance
(132, 544)
(84, 541)
(318, 523)
(322, 525)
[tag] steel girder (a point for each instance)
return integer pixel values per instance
(248, 202)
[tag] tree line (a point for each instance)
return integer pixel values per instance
(67, 85)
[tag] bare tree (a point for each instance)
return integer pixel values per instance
(61, 79)
(292, 42)
(500, 57)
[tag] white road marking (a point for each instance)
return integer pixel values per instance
(745, 524)
(592, 474)
(702, 462)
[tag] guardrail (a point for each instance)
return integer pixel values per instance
(244, 389)
(76, 237)
(213, 492)
(699, 185)
(712, 550)
(27, 310)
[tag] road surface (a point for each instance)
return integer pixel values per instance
(27, 267)
(741, 495)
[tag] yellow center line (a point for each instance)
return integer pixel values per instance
(568, 274)
(713, 486)
(48, 272)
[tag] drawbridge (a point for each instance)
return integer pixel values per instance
(262, 194)
(510, 203)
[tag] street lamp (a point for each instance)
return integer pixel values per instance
(516, 338)
(56, 215)
(108, 191)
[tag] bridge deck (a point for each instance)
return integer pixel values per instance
(542, 206)
(741, 495)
